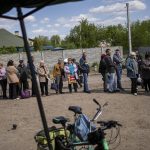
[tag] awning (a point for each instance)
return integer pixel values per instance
(7, 5)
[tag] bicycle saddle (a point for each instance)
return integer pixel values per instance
(60, 120)
(75, 109)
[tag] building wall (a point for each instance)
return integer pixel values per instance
(51, 57)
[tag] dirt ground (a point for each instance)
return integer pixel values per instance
(131, 111)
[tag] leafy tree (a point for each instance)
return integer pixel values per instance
(55, 40)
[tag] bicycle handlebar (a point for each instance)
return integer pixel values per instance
(94, 100)
(109, 124)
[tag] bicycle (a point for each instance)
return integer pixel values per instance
(75, 138)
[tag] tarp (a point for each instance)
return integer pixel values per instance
(7, 5)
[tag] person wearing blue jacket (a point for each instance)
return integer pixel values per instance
(132, 72)
(118, 62)
(85, 70)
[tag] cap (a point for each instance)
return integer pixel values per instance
(133, 54)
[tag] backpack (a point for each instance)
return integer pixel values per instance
(82, 127)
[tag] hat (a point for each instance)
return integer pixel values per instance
(132, 54)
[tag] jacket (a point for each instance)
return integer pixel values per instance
(12, 74)
(117, 60)
(145, 69)
(132, 68)
(84, 66)
(58, 70)
(110, 66)
(23, 72)
(43, 73)
(2, 73)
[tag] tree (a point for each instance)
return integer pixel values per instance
(37, 44)
(55, 40)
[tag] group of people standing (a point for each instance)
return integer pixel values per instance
(18, 77)
(138, 70)
(111, 70)
(76, 73)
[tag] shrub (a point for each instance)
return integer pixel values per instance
(8, 50)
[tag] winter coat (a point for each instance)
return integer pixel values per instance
(43, 73)
(12, 74)
(145, 69)
(132, 68)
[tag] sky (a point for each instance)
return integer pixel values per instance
(59, 19)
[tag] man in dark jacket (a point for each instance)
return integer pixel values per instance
(102, 70)
(85, 70)
(23, 75)
(110, 72)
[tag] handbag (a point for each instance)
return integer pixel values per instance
(54, 86)
(25, 94)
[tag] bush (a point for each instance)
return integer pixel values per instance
(8, 50)
(94, 64)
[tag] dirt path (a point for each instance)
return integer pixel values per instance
(132, 111)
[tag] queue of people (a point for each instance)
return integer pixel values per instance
(76, 73)
(138, 70)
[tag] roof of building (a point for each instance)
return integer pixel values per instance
(8, 39)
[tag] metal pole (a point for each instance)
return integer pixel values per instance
(39, 101)
(81, 38)
(129, 29)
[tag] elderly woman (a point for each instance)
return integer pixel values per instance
(43, 78)
(12, 79)
(132, 72)
(71, 70)
(3, 80)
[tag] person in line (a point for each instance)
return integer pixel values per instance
(110, 73)
(132, 72)
(12, 79)
(43, 73)
(23, 76)
(58, 73)
(118, 62)
(85, 71)
(102, 70)
(29, 75)
(3, 80)
(71, 71)
(145, 71)
(77, 74)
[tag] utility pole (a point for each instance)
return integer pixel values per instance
(81, 36)
(129, 29)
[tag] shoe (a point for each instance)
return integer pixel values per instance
(117, 90)
(87, 92)
(135, 94)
